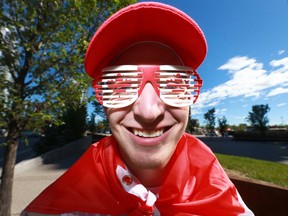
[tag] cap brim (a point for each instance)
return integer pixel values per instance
(146, 21)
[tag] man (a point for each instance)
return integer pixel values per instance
(143, 60)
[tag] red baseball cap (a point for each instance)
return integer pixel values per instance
(146, 21)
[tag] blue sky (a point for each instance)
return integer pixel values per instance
(247, 60)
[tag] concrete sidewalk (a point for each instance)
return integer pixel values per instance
(34, 175)
(30, 182)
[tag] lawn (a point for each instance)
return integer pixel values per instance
(271, 172)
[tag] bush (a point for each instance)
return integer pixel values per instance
(73, 128)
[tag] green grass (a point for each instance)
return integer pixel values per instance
(271, 172)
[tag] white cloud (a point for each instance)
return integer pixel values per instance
(220, 111)
(280, 52)
(281, 62)
(281, 104)
(248, 78)
(277, 91)
(237, 63)
(212, 104)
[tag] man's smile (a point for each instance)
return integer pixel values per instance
(146, 133)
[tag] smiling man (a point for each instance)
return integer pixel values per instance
(143, 60)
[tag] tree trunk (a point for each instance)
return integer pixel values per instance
(7, 177)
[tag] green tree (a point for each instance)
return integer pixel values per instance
(75, 122)
(99, 109)
(42, 47)
(92, 123)
(222, 122)
(210, 119)
(258, 117)
(192, 125)
(102, 125)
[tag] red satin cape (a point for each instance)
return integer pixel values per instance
(195, 184)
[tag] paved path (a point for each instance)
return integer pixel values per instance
(28, 184)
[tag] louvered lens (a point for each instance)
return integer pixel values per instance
(179, 88)
(117, 89)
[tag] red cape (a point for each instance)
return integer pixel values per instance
(195, 184)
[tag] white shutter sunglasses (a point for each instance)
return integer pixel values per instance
(120, 86)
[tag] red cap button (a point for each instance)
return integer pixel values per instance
(127, 179)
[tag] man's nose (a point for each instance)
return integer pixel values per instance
(148, 106)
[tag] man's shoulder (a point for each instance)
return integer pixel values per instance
(105, 142)
(103, 149)
(198, 149)
(194, 141)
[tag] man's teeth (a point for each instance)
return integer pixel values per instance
(143, 133)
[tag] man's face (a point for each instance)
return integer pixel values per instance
(147, 131)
